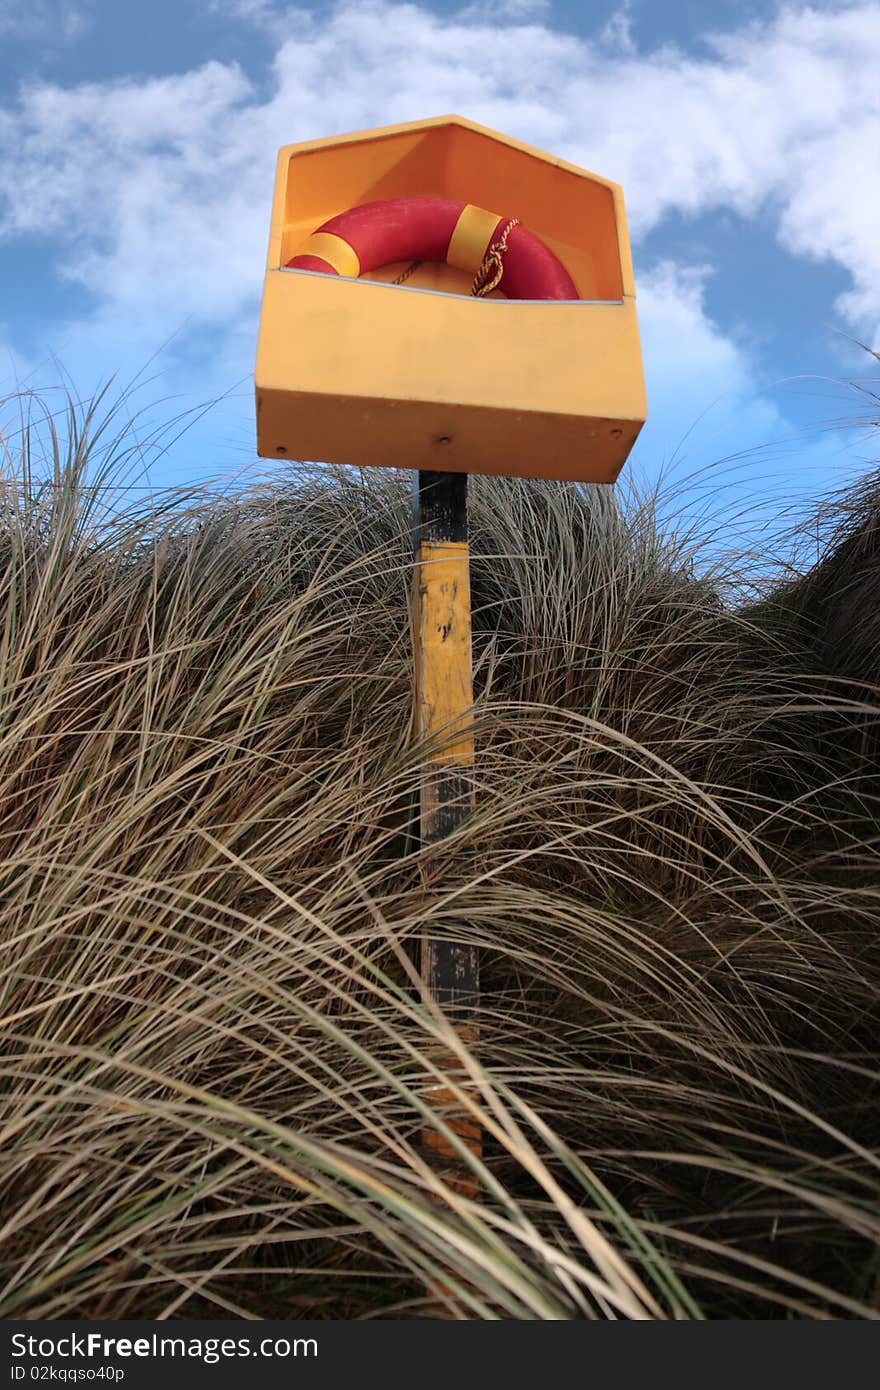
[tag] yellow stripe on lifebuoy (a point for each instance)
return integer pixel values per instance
(470, 238)
(334, 250)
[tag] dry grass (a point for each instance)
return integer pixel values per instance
(214, 1069)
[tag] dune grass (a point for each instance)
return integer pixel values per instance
(216, 1073)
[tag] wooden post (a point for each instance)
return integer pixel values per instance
(444, 696)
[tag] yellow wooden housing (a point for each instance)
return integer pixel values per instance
(422, 375)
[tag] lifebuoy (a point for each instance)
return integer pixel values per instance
(435, 229)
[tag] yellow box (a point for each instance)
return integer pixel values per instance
(422, 375)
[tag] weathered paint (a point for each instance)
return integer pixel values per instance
(444, 651)
(444, 697)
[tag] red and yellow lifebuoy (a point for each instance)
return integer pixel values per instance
(436, 229)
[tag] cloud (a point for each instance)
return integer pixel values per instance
(50, 21)
(159, 188)
(138, 191)
(264, 15)
(704, 396)
(732, 464)
(617, 31)
(505, 11)
(154, 193)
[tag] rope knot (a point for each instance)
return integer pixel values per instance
(490, 273)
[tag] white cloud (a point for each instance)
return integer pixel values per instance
(505, 11)
(699, 392)
(160, 187)
(138, 190)
(154, 193)
(259, 14)
(733, 466)
(617, 31)
(50, 21)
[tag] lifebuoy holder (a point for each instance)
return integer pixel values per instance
(498, 251)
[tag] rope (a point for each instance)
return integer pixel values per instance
(405, 274)
(490, 273)
(493, 263)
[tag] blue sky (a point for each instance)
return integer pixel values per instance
(137, 145)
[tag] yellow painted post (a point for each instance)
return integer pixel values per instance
(396, 366)
(444, 696)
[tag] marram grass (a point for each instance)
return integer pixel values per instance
(215, 1070)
